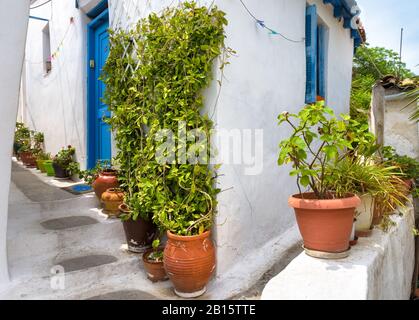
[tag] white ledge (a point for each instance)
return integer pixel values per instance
(378, 268)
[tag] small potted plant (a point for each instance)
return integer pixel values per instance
(63, 162)
(22, 138)
(153, 262)
(324, 216)
(40, 160)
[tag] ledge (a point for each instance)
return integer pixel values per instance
(379, 267)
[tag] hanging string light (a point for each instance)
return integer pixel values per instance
(262, 24)
(54, 55)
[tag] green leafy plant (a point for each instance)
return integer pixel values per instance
(362, 176)
(65, 159)
(319, 141)
(155, 76)
(408, 167)
(158, 252)
(22, 139)
(90, 175)
(43, 156)
(370, 65)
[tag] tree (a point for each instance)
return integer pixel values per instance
(370, 65)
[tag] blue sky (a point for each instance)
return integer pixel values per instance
(383, 20)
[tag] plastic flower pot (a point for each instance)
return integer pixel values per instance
(49, 168)
(40, 164)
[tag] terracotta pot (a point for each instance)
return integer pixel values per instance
(112, 199)
(28, 159)
(154, 269)
(105, 180)
(49, 168)
(60, 172)
(325, 225)
(365, 215)
(189, 262)
(139, 233)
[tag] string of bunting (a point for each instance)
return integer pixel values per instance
(54, 55)
(262, 24)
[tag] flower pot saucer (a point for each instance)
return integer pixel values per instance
(327, 255)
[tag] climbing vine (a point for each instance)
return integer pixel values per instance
(155, 75)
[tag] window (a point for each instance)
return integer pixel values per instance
(316, 54)
(46, 49)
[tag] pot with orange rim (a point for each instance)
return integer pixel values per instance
(189, 262)
(325, 224)
(106, 179)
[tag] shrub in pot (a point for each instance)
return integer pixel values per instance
(40, 160)
(64, 164)
(319, 140)
(22, 138)
(49, 168)
(153, 262)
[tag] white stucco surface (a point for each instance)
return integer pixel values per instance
(13, 26)
(266, 77)
(55, 103)
(400, 132)
(379, 268)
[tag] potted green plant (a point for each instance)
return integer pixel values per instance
(408, 167)
(49, 168)
(64, 164)
(372, 181)
(102, 177)
(21, 138)
(319, 140)
(153, 262)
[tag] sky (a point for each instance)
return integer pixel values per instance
(383, 20)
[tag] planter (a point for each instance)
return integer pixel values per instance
(60, 172)
(28, 159)
(49, 168)
(139, 234)
(154, 269)
(105, 180)
(325, 225)
(189, 262)
(112, 199)
(365, 215)
(41, 166)
(16, 147)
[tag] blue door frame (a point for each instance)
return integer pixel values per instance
(98, 133)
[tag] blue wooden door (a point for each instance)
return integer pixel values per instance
(99, 134)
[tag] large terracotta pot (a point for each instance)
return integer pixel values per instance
(105, 180)
(139, 233)
(189, 262)
(28, 159)
(365, 215)
(154, 269)
(112, 199)
(325, 225)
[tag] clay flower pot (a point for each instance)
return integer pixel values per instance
(189, 262)
(139, 233)
(154, 269)
(60, 172)
(105, 180)
(325, 225)
(28, 159)
(49, 168)
(112, 199)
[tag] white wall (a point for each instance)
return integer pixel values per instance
(56, 103)
(265, 78)
(13, 26)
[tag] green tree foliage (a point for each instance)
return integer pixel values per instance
(370, 65)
